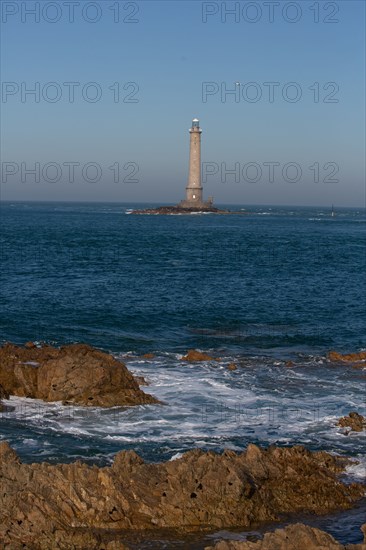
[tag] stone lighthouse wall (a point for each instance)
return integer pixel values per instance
(194, 188)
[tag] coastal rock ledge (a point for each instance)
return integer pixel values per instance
(293, 537)
(75, 374)
(76, 506)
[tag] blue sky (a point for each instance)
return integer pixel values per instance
(164, 60)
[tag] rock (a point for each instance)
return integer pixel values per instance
(113, 545)
(148, 356)
(355, 421)
(141, 381)
(232, 366)
(3, 395)
(200, 490)
(30, 345)
(169, 210)
(77, 374)
(336, 357)
(194, 355)
(78, 539)
(293, 537)
(289, 364)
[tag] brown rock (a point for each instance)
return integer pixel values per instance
(194, 355)
(293, 537)
(355, 421)
(232, 366)
(30, 345)
(148, 356)
(76, 374)
(141, 381)
(3, 395)
(289, 364)
(200, 490)
(334, 356)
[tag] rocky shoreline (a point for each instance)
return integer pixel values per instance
(75, 505)
(78, 506)
(294, 537)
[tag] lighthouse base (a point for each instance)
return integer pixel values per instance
(196, 205)
(181, 210)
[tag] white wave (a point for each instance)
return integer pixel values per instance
(357, 471)
(176, 456)
(122, 438)
(30, 442)
(209, 406)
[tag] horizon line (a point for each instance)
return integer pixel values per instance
(329, 205)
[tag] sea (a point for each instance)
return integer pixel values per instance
(270, 289)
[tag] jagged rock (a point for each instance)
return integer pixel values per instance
(194, 355)
(334, 356)
(355, 421)
(293, 537)
(77, 374)
(199, 490)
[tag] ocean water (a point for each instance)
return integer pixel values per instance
(259, 288)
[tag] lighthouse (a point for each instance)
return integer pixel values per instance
(193, 203)
(194, 186)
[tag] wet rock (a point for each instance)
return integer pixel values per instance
(77, 374)
(148, 356)
(3, 395)
(141, 381)
(232, 366)
(197, 491)
(30, 345)
(293, 537)
(194, 355)
(355, 421)
(336, 357)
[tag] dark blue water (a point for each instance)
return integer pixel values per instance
(258, 288)
(274, 278)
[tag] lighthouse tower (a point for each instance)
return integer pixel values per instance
(194, 187)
